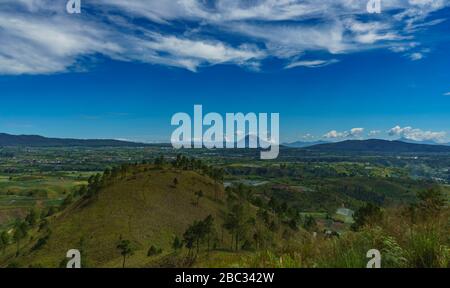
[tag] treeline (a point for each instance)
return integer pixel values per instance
(303, 171)
(110, 175)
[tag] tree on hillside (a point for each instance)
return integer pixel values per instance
(20, 232)
(199, 195)
(153, 251)
(366, 215)
(177, 244)
(4, 241)
(231, 224)
(237, 223)
(94, 185)
(68, 200)
(310, 223)
(160, 161)
(431, 201)
(217, 175)
(32, 218)
(189, 238)
(208, 229)
(126, 249)
(197, 233)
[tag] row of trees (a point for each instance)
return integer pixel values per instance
(185, 163)
(201, 232)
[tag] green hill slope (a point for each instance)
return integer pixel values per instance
(146, 208)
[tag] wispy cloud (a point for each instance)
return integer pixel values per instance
(39, 37)
(311, 63)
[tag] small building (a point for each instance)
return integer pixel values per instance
(345, 215)
(345, 212)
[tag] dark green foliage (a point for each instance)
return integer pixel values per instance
(197, 233)
(154, 251)
(310, 223)
(126, 249)
(20, 232)
(431, 201)
(41, 242)
(32, 218)
(366, 215)
(177, 244)
(199, 194)
(160, 161)
(68, 200)
(52, 210)
(4, 241)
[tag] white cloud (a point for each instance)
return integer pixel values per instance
(311, 63)
(416, 56)
(333, 134)
(447, 94)
(374, 133)
(39, 37)
(353, 133)
(417, 134)
(196, 52)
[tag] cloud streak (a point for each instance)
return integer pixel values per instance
(312, 63)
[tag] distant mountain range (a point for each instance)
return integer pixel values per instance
(375, 145)
(301, 144)
(428, 142)
(40, 141)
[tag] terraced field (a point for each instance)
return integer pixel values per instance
(19, 193)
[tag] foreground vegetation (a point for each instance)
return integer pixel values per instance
(304, 210)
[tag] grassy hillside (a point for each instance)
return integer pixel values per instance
(146, 208)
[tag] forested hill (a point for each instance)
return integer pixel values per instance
(379, 146)
(40, 141)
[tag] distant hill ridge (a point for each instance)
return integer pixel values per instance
(375, 145)
(40, 141)
(301, 144)
(372, 145)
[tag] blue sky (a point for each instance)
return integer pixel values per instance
(121, 69)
